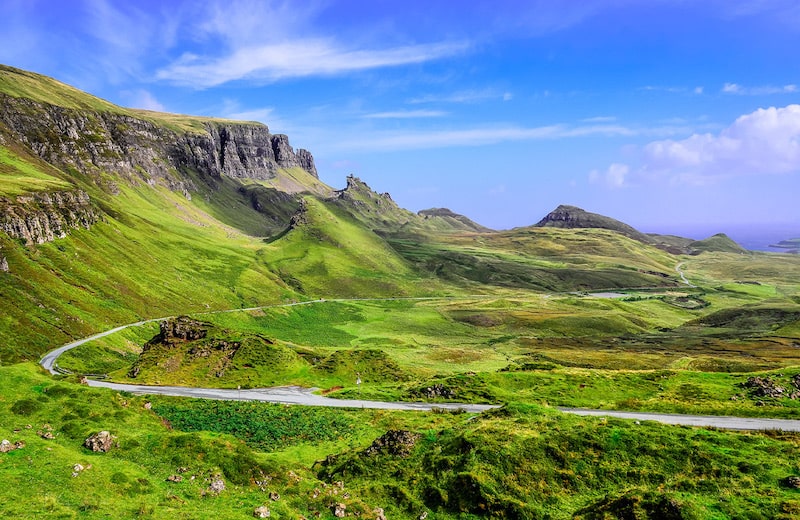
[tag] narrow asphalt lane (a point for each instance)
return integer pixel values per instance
(305, 396)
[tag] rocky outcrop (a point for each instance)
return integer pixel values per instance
(140, 149)
(571, 217)
(180, 329)
(44, 217)
(398, 443)
(245, 150)
(100, 442)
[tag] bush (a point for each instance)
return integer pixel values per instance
(25, 407)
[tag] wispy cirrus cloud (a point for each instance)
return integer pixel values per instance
(674, 90)
(462, 96)
(406, 114)
(764, 90)
(301, 58)
(489, 135)
(764, 142)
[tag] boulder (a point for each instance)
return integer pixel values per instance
(792, 482)
(217, 486)
(6, 446)
(100, 442)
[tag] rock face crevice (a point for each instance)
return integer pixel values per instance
(44, 217)
(138, 149)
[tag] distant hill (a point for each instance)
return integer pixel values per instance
(455, 219)
(720, 243)
(572, 217)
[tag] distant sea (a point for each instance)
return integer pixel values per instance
(756, 237)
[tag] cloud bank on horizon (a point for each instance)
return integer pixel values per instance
(652, 112)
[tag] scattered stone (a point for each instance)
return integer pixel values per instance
(148, 405)
(76, 469)
(437, 390)
(792, 482)
(339, 510)
(84, 381)
(261, 512)
(6, 446)
(764, 387)
(174, 478)
(3, 264)
(394, 442)
(379, 514)
(274, 496)
(100, 441)
(19, 445)
(423, 516)
(46, 435)
(217, 486)
(183, 469)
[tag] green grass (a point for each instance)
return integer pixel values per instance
(524, 461)
(19, 176)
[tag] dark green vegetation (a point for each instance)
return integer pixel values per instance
(109, 216)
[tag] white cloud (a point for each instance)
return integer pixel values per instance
(765, 90)
(508, 96)
(406, 114)
(614, 176)
(408, 140)
(142, 99)
(300, 58)
(764, 142)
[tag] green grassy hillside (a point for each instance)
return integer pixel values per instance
(433, 307)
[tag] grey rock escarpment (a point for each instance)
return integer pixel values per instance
(46, 216)
(140, 149)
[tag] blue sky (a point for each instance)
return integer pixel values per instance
(667, 114)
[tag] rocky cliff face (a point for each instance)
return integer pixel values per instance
(43, 217)
(137, 149)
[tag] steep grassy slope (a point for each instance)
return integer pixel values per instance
(328, 253)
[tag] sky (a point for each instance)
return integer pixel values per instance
(671, 115)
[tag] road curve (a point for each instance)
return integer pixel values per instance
(679, 270)
(285, 395)
(305, 396)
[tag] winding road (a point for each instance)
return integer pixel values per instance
(679, 270)
(306, 397)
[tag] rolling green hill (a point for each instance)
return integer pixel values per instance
(110, 215)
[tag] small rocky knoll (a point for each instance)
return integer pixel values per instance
(397, 443)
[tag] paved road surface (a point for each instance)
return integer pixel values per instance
(286, 395)
(715, 421)
(306, 397)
